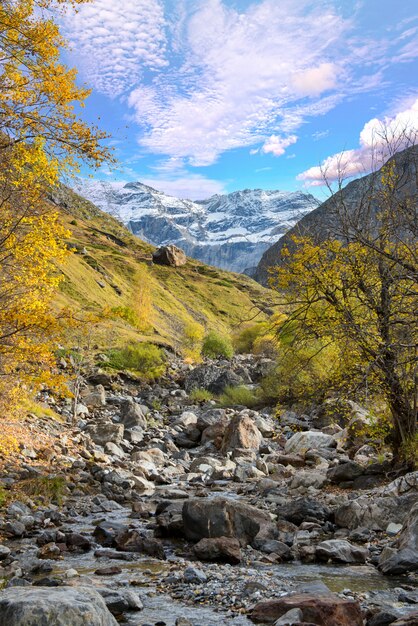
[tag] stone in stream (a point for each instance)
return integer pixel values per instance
(121, 600)
(53, 606)
(224, 517)
(131, 541)
(341, 551)
(194, 576)
(224, 549)
(324, 610)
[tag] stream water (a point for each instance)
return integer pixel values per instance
(144, 575)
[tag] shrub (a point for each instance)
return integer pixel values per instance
(192, 340)
(266, 345)
(215, 345)
(3, 497)
(201, 395)
(238, 395)
(125, 313)
(50, 488)
(144, 358)
(245, 338)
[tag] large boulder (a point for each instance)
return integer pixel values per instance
(403, 557)
(309, 440)
(241, 432)
(57, 606)
(376, 512)
(213, 378)
(169, 255)
(224, 517)
(345, 472)
(324, 610)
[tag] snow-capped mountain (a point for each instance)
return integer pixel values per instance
(229, 231)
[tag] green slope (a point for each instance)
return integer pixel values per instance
(103, 274)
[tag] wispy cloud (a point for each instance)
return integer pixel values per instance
(378, 140)
(114, 41)
(201, 77)
(239, 73)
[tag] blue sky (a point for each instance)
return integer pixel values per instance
(211, 96)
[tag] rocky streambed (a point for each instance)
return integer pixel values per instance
(169, 512)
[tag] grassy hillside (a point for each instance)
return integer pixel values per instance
(108, 269)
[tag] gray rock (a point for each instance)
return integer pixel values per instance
(294, 616)
(375, 513)
(223, 517)
(103, 431)
(96, 398)
(403, 557)
(57, 606)
(344, 472)
(341, 551)
(309, 440)
(131, 415)
(304, 510)
(4, 552)
(304, 480)
(121, 600)
(213, 378)
(194, 576)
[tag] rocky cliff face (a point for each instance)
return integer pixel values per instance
(229, 231)
(324, 221)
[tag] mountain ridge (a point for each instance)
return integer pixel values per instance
(230, 231)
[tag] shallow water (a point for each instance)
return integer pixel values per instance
(141, 574)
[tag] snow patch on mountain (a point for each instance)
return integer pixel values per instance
(229, 231)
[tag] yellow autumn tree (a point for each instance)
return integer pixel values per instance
(359, 294)
(41, 136)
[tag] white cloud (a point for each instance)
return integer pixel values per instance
(241, 73)
(277, 145)
(314, 81)
(190, 187)
(379, 139)
(114, 40)
(201, 77)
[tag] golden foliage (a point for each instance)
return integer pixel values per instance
(40, 138)
(359, 294)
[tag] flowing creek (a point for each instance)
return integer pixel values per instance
(143, 575)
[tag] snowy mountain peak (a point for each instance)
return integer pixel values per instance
(230, 231)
